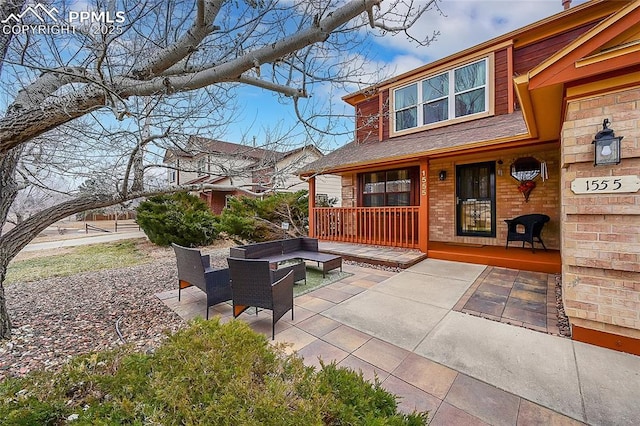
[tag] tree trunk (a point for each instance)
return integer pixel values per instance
(5, 321)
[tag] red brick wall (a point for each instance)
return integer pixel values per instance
(601, 233)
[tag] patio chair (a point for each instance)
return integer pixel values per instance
(531, 226)
(195, 269)
(253, 283)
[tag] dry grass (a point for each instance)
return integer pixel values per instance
(60, 262)
(78, 259)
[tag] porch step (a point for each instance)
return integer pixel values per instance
(548, 261)
(374, 255)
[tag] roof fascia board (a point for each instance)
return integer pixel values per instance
(609, 85)
(521, 85)
(556, 69)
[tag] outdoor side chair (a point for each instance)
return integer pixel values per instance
(254, 283)
(195, 269)
(531, 225)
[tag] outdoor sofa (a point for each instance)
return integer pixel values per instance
(277, 251)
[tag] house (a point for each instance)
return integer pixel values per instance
(445, 153)
(229, 169)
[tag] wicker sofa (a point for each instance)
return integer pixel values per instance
(290, 249)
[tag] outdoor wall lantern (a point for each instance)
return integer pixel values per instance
(607, 146)
(442, 175)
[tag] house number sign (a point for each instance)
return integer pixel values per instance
(606, 185)
(423, 183)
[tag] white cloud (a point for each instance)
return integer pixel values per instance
(466, 23)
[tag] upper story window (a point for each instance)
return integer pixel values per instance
(452, 94)
(172, 172)
(201, 166)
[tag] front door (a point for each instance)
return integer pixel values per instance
(476, 199)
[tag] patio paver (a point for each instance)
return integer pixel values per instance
(459, 365)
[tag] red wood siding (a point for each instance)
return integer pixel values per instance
(527, 57)
(502, 82)
(386, 108)
(367, 120)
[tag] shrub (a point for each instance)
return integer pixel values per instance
(207, 374)
(260, 219)
(178, 218)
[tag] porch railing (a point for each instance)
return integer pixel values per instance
(385, 226)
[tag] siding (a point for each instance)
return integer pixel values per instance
(528, 57)
(367, 120)
(501, 83)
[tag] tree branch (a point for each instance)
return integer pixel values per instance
(274, 87)
(155, 64)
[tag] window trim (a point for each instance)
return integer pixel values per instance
(489, 87)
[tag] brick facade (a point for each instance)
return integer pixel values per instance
(545, 198)
(601, 233)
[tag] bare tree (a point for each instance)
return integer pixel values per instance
(101, 100)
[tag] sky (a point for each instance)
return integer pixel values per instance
(462, 24)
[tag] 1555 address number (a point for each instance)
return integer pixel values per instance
(606, 185)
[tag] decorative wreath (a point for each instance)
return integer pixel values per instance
(526, 187)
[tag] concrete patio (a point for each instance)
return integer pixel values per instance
(402, 328)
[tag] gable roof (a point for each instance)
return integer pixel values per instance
(200, 145)
(214, 146)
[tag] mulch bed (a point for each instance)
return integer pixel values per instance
(58, 318)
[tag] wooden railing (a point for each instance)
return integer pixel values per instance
(385, 226)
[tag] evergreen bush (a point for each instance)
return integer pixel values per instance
(206, 374)
(178, 218)
(261, 219)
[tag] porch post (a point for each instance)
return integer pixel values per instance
(312, 206)
(423, 211)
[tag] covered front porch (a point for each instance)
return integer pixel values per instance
(450, 207)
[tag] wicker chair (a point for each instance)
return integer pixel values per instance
(253, 283)
(532, 227)
(195, 269)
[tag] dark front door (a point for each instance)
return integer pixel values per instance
(476, 199)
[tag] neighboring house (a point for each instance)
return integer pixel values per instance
(229, 169)
(444, 154)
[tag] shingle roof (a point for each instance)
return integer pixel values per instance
(421, 143)
(234, 149)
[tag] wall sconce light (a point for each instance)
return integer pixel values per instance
(442, 175)
(607, 146)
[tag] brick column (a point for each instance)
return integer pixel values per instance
(601, 232)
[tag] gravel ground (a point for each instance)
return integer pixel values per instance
(58, 318)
